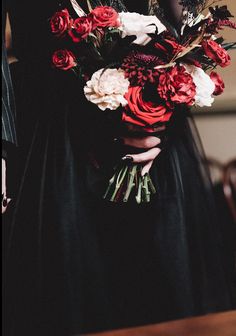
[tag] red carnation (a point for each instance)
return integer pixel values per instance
(219, 84)
(215, 52)
(104, 16)
(141, 112)
(61, 22)
(177, 86)
(63, 59)
(82, 27)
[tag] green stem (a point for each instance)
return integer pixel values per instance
(111, 181)
(145, 190)
(119, 180)
(151, 185)
(132, 176)
(139, 193)
(131, 184)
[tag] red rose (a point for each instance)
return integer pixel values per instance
(63, 59)
(215, 52)
(219, 84)
(141, 112)
(61, 22)
(177, 86)
(82, 27)
(104, 16)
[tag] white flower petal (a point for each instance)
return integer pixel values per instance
(135, 24)
(204, 85)
(107, 88)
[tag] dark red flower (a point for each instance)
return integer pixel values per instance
(143, 112)
(82, 27)
(176, 86)
(215, 52)
(169, 48)
(61, 22)
(140, 68)
(63, 59)
(214, 26)
(104, 16)
(226, 23)
(219, 84)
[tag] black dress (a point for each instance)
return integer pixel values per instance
(75, 262)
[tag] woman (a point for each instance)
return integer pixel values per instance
(77, 263)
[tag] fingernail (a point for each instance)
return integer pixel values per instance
(2, 196)
(4, 202)
(128, 158)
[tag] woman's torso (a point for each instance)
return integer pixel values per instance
(31, 36)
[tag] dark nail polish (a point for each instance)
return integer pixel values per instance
(127, 158)
(4, 202)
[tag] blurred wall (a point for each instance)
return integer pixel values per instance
(218, 135)
(217, 125)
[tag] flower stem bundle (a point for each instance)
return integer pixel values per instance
(128, 181)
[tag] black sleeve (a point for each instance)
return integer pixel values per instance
(8, 102)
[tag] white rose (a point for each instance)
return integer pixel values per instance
(134, 24)
(204, 85)
(107, 89)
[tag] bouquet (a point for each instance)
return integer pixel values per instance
(139, 67)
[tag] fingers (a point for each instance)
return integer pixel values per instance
(147, 156)
(146, 168)
(5, 202)
(145, 142)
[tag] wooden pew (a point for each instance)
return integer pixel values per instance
(220, 324)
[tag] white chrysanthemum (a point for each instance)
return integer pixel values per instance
(107, 88)
(204, 86)
(134, 24)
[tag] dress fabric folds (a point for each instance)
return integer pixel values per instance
(77, 263)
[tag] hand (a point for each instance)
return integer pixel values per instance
(5, 200)
(146, 158)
